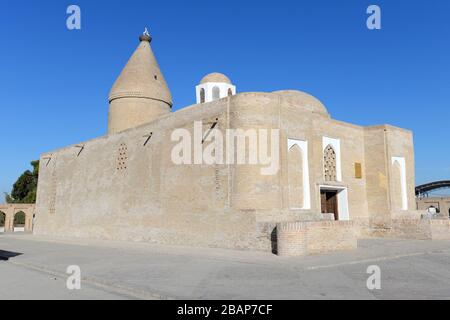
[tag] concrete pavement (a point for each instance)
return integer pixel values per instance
(123, 270)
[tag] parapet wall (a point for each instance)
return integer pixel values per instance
(307, 238)
(440, 229)
(415, 229)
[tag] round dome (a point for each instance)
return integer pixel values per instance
(303, 99)
(216, 77)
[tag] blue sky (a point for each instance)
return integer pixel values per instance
(54, 82)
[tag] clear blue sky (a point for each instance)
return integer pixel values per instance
(54, 83)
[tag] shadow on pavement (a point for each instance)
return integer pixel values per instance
(6, 255)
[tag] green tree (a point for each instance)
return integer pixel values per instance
(25, 188)
(19, 218)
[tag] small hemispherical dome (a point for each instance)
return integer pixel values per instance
(304, 100)
(216, 77)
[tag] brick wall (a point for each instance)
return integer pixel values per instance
(415, 229)
(306, 238)
(440, 229)
(410, 229)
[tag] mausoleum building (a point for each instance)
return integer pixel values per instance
(329, 182)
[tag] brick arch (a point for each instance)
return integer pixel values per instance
(19, 219)
(11, 210)
(202, 95)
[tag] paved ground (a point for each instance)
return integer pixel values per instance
(120, 270)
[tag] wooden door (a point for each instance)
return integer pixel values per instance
(329, 203)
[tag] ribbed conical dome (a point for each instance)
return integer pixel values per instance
(140, 95)
(141, 77)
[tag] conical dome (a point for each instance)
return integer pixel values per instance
(140, 94)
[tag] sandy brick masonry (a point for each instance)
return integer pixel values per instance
(440, 229)
(126, 185)
(306, 238)
(10, 210)
(416, 229)
(441, 204)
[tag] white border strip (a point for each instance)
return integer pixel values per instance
(401, 161)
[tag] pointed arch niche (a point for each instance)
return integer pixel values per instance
(298, 175)
(399, 194)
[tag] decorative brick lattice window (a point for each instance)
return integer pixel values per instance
(122, 157)
(329, 163)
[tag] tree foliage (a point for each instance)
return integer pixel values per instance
(25, 188)
(19, 218)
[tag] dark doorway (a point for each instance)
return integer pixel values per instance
(19, 220)
(329, 202)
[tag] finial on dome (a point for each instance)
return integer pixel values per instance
(145, 36)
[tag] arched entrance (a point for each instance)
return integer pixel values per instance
(19, 221)
(2, 221)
